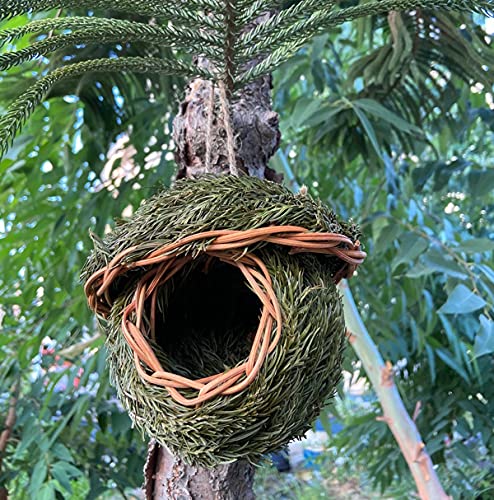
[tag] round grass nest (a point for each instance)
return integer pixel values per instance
(224, 325)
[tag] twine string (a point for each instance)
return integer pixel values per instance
(209, 127)
(232, 247)
(230, 140)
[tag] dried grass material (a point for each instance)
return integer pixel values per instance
(295, 378)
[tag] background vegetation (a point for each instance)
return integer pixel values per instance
(390, 120)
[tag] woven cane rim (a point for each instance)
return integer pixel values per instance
(229, 246)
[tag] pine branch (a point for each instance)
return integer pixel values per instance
(171, 34)
(229, 47)
(180, 11)
(252, 10)
(282, 44)
(101, 32)
(329, 19)
(216, 29)
(20, 110)
(268, 64)
(282, 20)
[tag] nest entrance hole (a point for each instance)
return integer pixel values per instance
(207, 318)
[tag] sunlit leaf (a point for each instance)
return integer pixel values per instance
(484, 340)
(475, 245)
(462, 301)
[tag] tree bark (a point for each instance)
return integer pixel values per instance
(200, 135)
(254, 123)
(168, 476)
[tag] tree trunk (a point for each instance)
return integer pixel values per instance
(168, 476)
(254, 123)
(200, 135)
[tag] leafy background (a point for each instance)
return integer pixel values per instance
(389, 120)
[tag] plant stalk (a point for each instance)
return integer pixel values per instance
(394, 412)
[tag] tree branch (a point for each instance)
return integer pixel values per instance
(7, 430)
(76, 349)
(394, 412)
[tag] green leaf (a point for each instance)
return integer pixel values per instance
(80, 404)
(378, 110)
(38, 477)
(386, 236)
(369, 130)
(481, 182)
(304, 109)
(446, 356)
(436, 262)
(432, 362)
(326, 424)
(61, 452)
(475, 245)
(462, 301)
(411, 246)
(60, 474)
(120, 422)
(484, 340)
(47, 492)
(323, 114)
(489, 273)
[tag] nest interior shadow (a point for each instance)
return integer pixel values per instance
(208, 317)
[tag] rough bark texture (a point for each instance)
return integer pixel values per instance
(254, 123)
(173, 478)
(257, 137)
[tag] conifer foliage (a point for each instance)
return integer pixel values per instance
(241, 43)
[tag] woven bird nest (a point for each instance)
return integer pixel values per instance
(224, 325)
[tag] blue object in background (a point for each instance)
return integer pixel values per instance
(281, 460)
(311, 461)
(336, 425)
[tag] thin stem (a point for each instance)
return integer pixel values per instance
(229, 77)
(9, 423)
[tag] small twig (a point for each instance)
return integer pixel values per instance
(229, 48)
(350, 336)
(463, 263)
(9, 421)
(76, 349)
(387, 375)
(418, 451)
(416, 412)
(382, 418)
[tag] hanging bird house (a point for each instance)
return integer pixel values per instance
(224, 326)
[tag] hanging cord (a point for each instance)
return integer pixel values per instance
(230, 141)
(209, 127)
